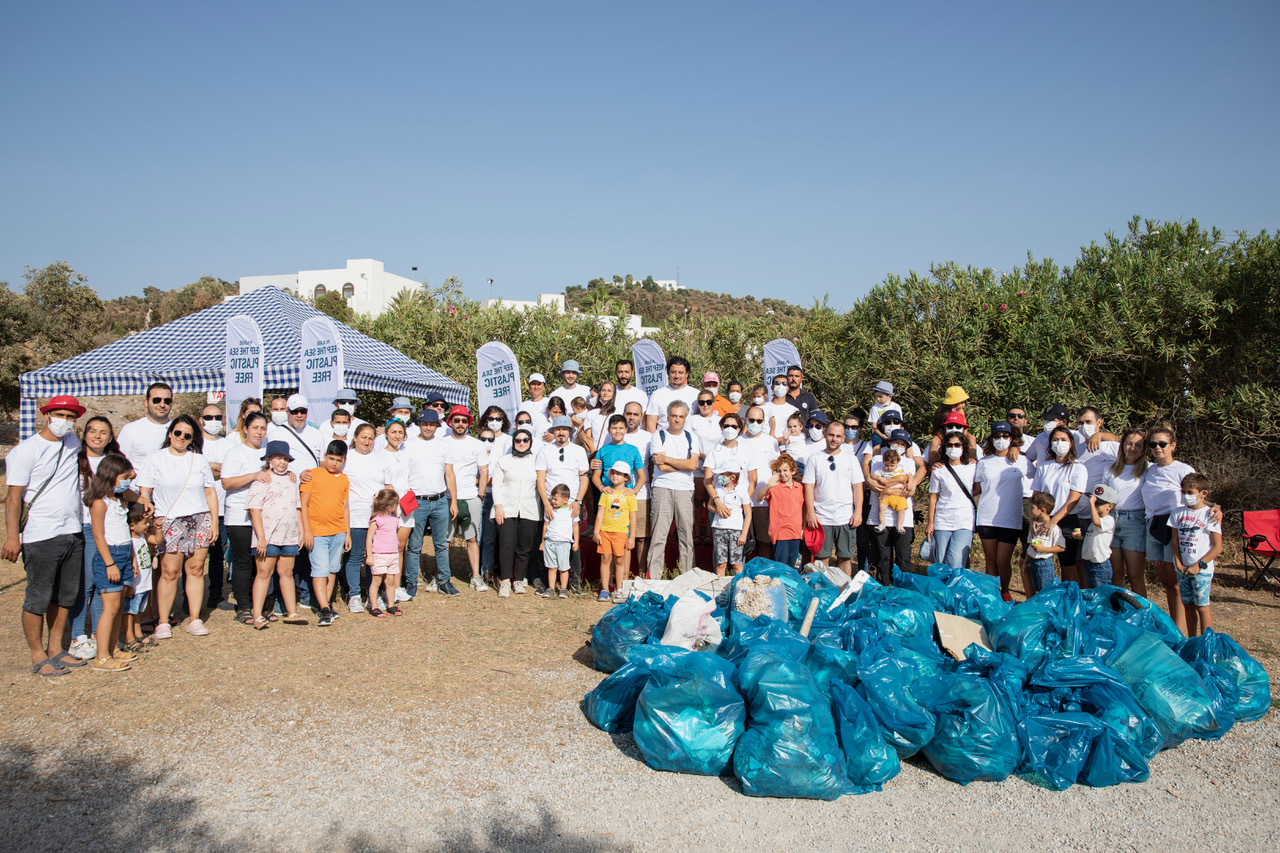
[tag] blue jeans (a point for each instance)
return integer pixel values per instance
(89, 606)
(1042, 573)
(326, 554)
(436, 515)
(787, 552)
(488, 539)
(1097, 573)
(951, 547)
(355, 560)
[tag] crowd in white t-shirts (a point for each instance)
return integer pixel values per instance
(767, 474)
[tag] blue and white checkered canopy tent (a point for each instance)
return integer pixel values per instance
(190, 352)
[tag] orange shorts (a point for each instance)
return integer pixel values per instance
(612, 544)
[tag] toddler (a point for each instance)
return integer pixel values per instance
(614, 532)
(112, 558)
(1095, 554)
(785, 496)
(1045, 540)
(883, 393)
(793, 444)
(559, 538)
(731, 519)
(383, 553)
(894, 474)
(1199, 543)
(146, 538)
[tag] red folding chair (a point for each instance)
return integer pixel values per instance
(1261, 532)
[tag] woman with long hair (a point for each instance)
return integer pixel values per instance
(1161, 495)
(240, 470)
(952, 504)
(1129, 544)
(998, 484)
(98, 441)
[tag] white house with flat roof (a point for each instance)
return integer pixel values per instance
(634, 323)
(365, 284)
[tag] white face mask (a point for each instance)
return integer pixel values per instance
(954, 452)
(1049, 425)
(735, 396)
(754, 428)
(213, 427)
(1087, 430)
(779, 390)
(759, 401)
(1000, 444)
(815, 433)
(494, 425)
(1059, 447)
(340, 430)
(1191, 499)
(60, 426)
(729, 433)
(280, 418)
(349, 408)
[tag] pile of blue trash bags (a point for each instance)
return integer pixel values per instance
(1083, 686)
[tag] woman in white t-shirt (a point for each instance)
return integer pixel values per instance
(777, 410)
(951, 504)
(367, 475)
(596, 422)
(1129, 544)
(999, 484)
(177, 481)
(1161, 495)
(241, 468)
(99, 440)
(1060, 475)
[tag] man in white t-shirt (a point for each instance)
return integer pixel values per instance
(677, 388)
(43, 472)
(570, 390)
(833, 498)
(432, 482)
(215, 452)
(346, 401)
(624, 391)
(469, 457)
(139, 439)
(677, 456)
(303, 439)
(562, 463)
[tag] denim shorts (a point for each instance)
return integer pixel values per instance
(1131, 530)
(1097, 573)
(1194, 589)
(135, 605)
(1157, 552)
(556, 555)
(326, 554)
(122, 556)
(277, 551)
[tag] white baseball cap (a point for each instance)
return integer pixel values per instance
(537, 377)
(296, 401)
(621, 467)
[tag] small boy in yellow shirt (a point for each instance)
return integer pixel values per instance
(615, 534)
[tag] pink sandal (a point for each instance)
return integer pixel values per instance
(163, 631)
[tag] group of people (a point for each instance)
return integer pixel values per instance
(119, 532)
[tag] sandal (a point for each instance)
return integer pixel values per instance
(134, 647)
(57, 669)
(377, 614)
(66, 660)
(109, 665)
(244, 617)
(148, 643)
(123, 656)
(294, 619)
(260, 623)
(395, 611)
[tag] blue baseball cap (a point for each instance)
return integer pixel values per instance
(819, 416)
(429, 416)
(1001, 426)
(436, 398)
(900, 435)
(891, 415)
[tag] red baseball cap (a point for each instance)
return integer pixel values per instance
(955, 418)
(459, 410)
(710, 376)
(63, 401)
(814, 537)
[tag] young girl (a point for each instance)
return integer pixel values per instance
(785, 496)
(894, 475)
(383, 553)
(113, 556)
(274, 512)
(146, 538)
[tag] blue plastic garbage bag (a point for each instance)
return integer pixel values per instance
(790, 747)
(901, 611)
(824, 632)
(857, 634)
(1248, 674)
(611, 706)
(1130, 607)
(1166, 686)
(1055, 747)
(823, 589)
(1049, 625)
(1089, 685)
(689, 715)
(1224, 692)
(746, 634)
(625, 626)
(975, 737)
(830, 665)
(933, 589)
(884, 681)
(798, 592)
(869, 760)
(1113, 760)
(975, 595)
(1007, 674)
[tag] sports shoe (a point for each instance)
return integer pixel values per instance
(618, 597)
(196, 627)
(354, 605)
(401, 595)
(447, 588)
(520, 587)
(604, 594)
(326, 617)
(538, 584)
(164, 631)
(563, 593)
(546, 592)
(84, 648)
(478, 584)
(431, 587)
(504, 589)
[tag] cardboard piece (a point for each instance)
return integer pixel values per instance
(955, 633)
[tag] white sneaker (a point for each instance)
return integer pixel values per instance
(382, 601)
(354, 605)
(504, 591)
(478, 584)
(401, 595)
(521, 587)
(84, 648)
(432, 587)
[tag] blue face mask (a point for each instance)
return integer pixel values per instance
(723, 480)
(123, 486)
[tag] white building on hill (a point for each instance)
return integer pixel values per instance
(634, 322)
(365, 284)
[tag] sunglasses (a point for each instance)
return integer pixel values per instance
(832, 461)
(211, 417)
(457, 421)
(521, 440)
(158, 400)
(755, 420)
(955, 445)
(490, 440)
(1015, 417)
(705, 402)
(562, 454)
(185, 436)
(852, 426)
(436, 405)
(1160, 444)
(298, 411)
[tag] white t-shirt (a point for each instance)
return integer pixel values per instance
(367, 475)
(799, 448)
(241, 460)
(682, 446)
(1162, 488)
(1051, 539)
(1097, 540)
(1095, 465)
(908, 467)
(425, 461)
(165, 474)
(735, 500)
(878, 411)
(1039, 449)
(640, 440)
(707, 430)
(665, 396)
(215, 452)
(779, 412)
(467, 455)
(115, 524)
(953, 510)
(833, 489)
(94, 462)
(1002, 482)
(397, 465)
(560, 524)
(762, 451)
(1192, 528)
(142, 577)
(310, 438)
(742, 452)
(1027, 441)
(1060, 480)
(1128, 488)
(623, 396)
(139, 439)
(566, 472)
(577, 392)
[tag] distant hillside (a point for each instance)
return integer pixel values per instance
(655, 304)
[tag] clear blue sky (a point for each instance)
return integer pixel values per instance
(776, 149)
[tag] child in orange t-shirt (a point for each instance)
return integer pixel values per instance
(785, 497)
(326, 524)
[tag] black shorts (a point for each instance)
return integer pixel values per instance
(1070, 525)
(1003, 535)
(55, 572)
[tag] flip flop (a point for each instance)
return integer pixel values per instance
(261, 623)
(70, 661)
(57, 670)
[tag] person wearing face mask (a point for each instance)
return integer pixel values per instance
(339, 427)
(952, 503)
(1056, 415)
(43, 474)
(215, 452)
(735, 397)
(998, 483)
(289, 424)
(803, 401)
(729, 446)
(778, 409)
(890, 422)
(722, 405)
(626, 390)
(346, 401)
(816, 428)
(1095, 462)
(763, 450)
(1060, 475)
(952, 423)
(758, 396)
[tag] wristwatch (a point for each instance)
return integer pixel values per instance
(1202, 564)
